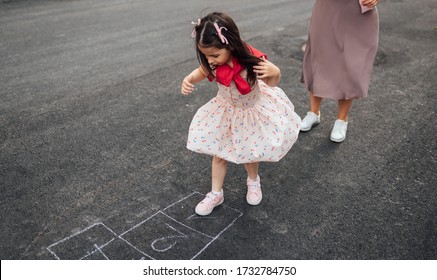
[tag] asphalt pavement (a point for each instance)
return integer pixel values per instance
(93, 129)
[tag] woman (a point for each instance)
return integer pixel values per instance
(339, 56)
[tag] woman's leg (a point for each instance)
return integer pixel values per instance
(218, 173)
(313, 116)
(343, 109)
(315, 103)
(338, 133)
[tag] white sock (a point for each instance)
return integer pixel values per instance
(216, 193)
(253, 180)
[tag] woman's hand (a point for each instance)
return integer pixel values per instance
(369, 3)
(268, 72)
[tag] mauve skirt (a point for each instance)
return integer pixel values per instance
(341, 49)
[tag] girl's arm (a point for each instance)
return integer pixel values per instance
(196, 76)
(268, 72)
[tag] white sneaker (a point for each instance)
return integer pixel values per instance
(309, 121)
(338, 133)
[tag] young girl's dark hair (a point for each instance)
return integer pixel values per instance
(206, 36)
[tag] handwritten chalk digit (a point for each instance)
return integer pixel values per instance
(159, 243)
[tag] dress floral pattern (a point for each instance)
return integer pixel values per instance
(255, 127)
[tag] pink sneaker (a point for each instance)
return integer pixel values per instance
(254, 194)
(206, 206)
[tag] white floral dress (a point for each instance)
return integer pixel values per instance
(258, 126)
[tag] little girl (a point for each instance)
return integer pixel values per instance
(250, 120)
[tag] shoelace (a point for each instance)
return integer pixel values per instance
(254, 187)
(210, 198)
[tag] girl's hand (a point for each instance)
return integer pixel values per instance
(266, 69)
(187, 87)
(369, 3)
(196, 76)
(268, 72)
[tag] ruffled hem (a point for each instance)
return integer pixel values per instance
(264, 132)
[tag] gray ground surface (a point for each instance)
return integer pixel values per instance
(93, 130)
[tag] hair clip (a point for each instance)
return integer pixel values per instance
(193, 34)
(219, 33)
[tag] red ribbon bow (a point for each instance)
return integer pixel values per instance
(225, 73)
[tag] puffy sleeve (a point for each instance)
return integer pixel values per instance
(211, 76)
(256, 52)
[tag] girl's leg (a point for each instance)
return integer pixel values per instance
(343, 109)
(254, 194)
(215, 197)
(218, 173)
(252, 170)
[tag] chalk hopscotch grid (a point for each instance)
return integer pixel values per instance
(98, 249)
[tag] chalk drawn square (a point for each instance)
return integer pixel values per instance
(95, 255)
(164, 238)
(176, 232)
(82, 244)
(117, 249)
(213, 224)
